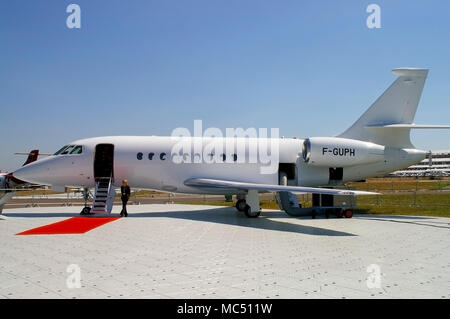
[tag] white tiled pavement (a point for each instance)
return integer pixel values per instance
(186, 251)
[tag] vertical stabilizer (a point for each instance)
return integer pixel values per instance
(397, 105)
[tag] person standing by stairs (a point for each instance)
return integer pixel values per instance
(125, 195)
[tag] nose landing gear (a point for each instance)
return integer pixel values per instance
(86, 209)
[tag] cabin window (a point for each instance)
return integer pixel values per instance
(162, 156)
(235, 157)
(139, 155)
(150, 156)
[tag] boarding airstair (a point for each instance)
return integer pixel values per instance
(104, 196)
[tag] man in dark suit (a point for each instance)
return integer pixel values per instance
(125, 195)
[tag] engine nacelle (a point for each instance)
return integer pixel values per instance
(340, 152)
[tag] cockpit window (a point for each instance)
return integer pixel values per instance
(77, 150)
(61, 149)
(68, 150)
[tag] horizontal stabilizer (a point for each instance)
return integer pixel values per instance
(410, 126)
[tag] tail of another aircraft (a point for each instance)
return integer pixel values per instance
(32, 157)
(390, 118)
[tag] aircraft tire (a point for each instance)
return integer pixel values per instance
(85, 211)
(241, 205)
(250, 214)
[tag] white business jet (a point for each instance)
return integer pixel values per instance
(375, 145)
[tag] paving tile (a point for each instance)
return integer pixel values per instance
(189, 251)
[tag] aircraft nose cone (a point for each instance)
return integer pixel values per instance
(32, 173)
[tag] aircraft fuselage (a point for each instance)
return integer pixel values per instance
(164, 163)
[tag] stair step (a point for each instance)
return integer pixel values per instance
(102, 191)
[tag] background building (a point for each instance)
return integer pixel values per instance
(437, 163)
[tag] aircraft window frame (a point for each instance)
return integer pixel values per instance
(77, 147)
(68, 150)
(61, 150)
(139, 156)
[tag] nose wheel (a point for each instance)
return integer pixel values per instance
(86, 211)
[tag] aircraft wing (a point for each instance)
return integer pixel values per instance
(234, 185)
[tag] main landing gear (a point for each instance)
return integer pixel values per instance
(250, 206)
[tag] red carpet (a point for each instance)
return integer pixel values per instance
(74, 225)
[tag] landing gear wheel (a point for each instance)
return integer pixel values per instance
(348, 213)
(250, 214)
(241, 205)
(85, 211)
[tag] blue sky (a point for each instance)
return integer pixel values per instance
(309, 68)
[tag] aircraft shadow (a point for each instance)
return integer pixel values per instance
(229, 216)
(220, 215)
(41, 215)
(376, 216)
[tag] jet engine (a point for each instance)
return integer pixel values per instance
(340, 152)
